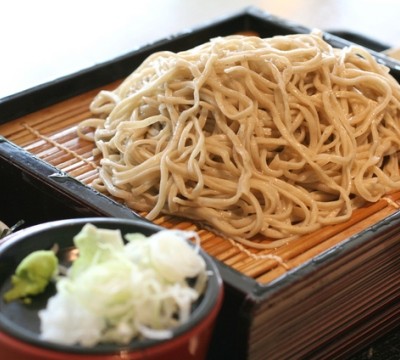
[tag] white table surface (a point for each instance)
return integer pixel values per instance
(42, 40)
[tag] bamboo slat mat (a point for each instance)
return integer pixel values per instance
(50, 134)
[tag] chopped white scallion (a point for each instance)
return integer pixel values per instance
(115, 292)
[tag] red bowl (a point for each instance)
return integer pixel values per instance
(19, 323)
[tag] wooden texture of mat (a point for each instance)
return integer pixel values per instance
(50, 134)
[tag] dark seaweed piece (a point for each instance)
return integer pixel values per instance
(10, 230)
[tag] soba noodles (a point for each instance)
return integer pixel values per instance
(248, 136)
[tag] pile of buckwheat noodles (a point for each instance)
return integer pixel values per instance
(248, 136)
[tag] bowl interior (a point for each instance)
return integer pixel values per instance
(22, 321)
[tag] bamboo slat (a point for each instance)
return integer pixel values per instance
(50, 134)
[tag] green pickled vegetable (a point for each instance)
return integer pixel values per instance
(32, 275)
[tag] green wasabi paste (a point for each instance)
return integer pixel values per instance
(32, 275)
